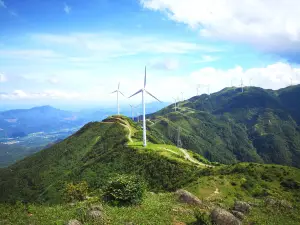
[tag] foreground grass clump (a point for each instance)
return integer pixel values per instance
(124, 190)
(76, 192)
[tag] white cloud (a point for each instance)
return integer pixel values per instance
(67, 9)
(206, 59)
(28, 53)
(164, 64)
(118, 44)
(53, 80)
(46, 94)
(270, 25)
(89, 87)
(3, 78)
(2, 4)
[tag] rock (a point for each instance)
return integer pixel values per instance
(187, 197)
(243, 207)
(73, 222)
(95, 214)
(270, 201)
(238, 214)
(222, 217)
(285, 204)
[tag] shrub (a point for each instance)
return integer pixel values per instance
(76, 192)
(124, 190)
(202, 218)
(290, 184)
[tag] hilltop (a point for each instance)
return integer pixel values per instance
(231, 126)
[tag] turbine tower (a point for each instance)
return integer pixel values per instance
(242, 85)
(198, 87)
(144, 91)
(182, 96)
(118, 91)
(175, 103)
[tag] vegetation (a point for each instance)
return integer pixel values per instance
(124, 190)
(75, 192)
(229, 126)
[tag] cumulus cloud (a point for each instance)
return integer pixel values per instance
(164, 86)
(271, 25)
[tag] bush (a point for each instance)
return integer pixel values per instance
(202, 218)
(124, 190)
(76, 192)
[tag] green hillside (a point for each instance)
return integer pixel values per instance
(95, 153)
(101, 151)
(231, 126)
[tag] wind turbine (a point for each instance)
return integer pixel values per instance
(250, 82)
(144, 91)
(118, 91)
(291, 81)
(198, 87)
(208, 87)
(242, 85)
(175, 102)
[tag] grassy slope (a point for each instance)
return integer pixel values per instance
(96, 153)
(229, 126)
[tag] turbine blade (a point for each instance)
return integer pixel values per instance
(152, 96)
(119, 86)
(145, 78)
(114, 91)
(122, 94)
(136, 93)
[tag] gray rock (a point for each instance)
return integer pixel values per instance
(222, 217)
(243, 207)
(270, 201)
(95, 215)
(73, 222)
(238, 214)
(285, 204)
(187, 197)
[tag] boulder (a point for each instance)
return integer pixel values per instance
(243, 207)
(187, 197)
(238, 214)
(95, 215)
(222, 217)
(73, 222)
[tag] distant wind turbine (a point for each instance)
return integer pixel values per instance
(118, 91)
(182, 96)
(250, 82)
(242, 85)
(175, 103)
(198, 87)
(144, 91)
(291, 81)
(208, 89)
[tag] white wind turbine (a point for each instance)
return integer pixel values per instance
(118, 91)
(144, 91)
(175, 102)
(242, 85)
(198, 87)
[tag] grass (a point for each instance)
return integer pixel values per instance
(162, 208)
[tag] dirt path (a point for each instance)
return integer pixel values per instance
(188, 157)
(216, 192)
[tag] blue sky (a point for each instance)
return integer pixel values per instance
(76, 52)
